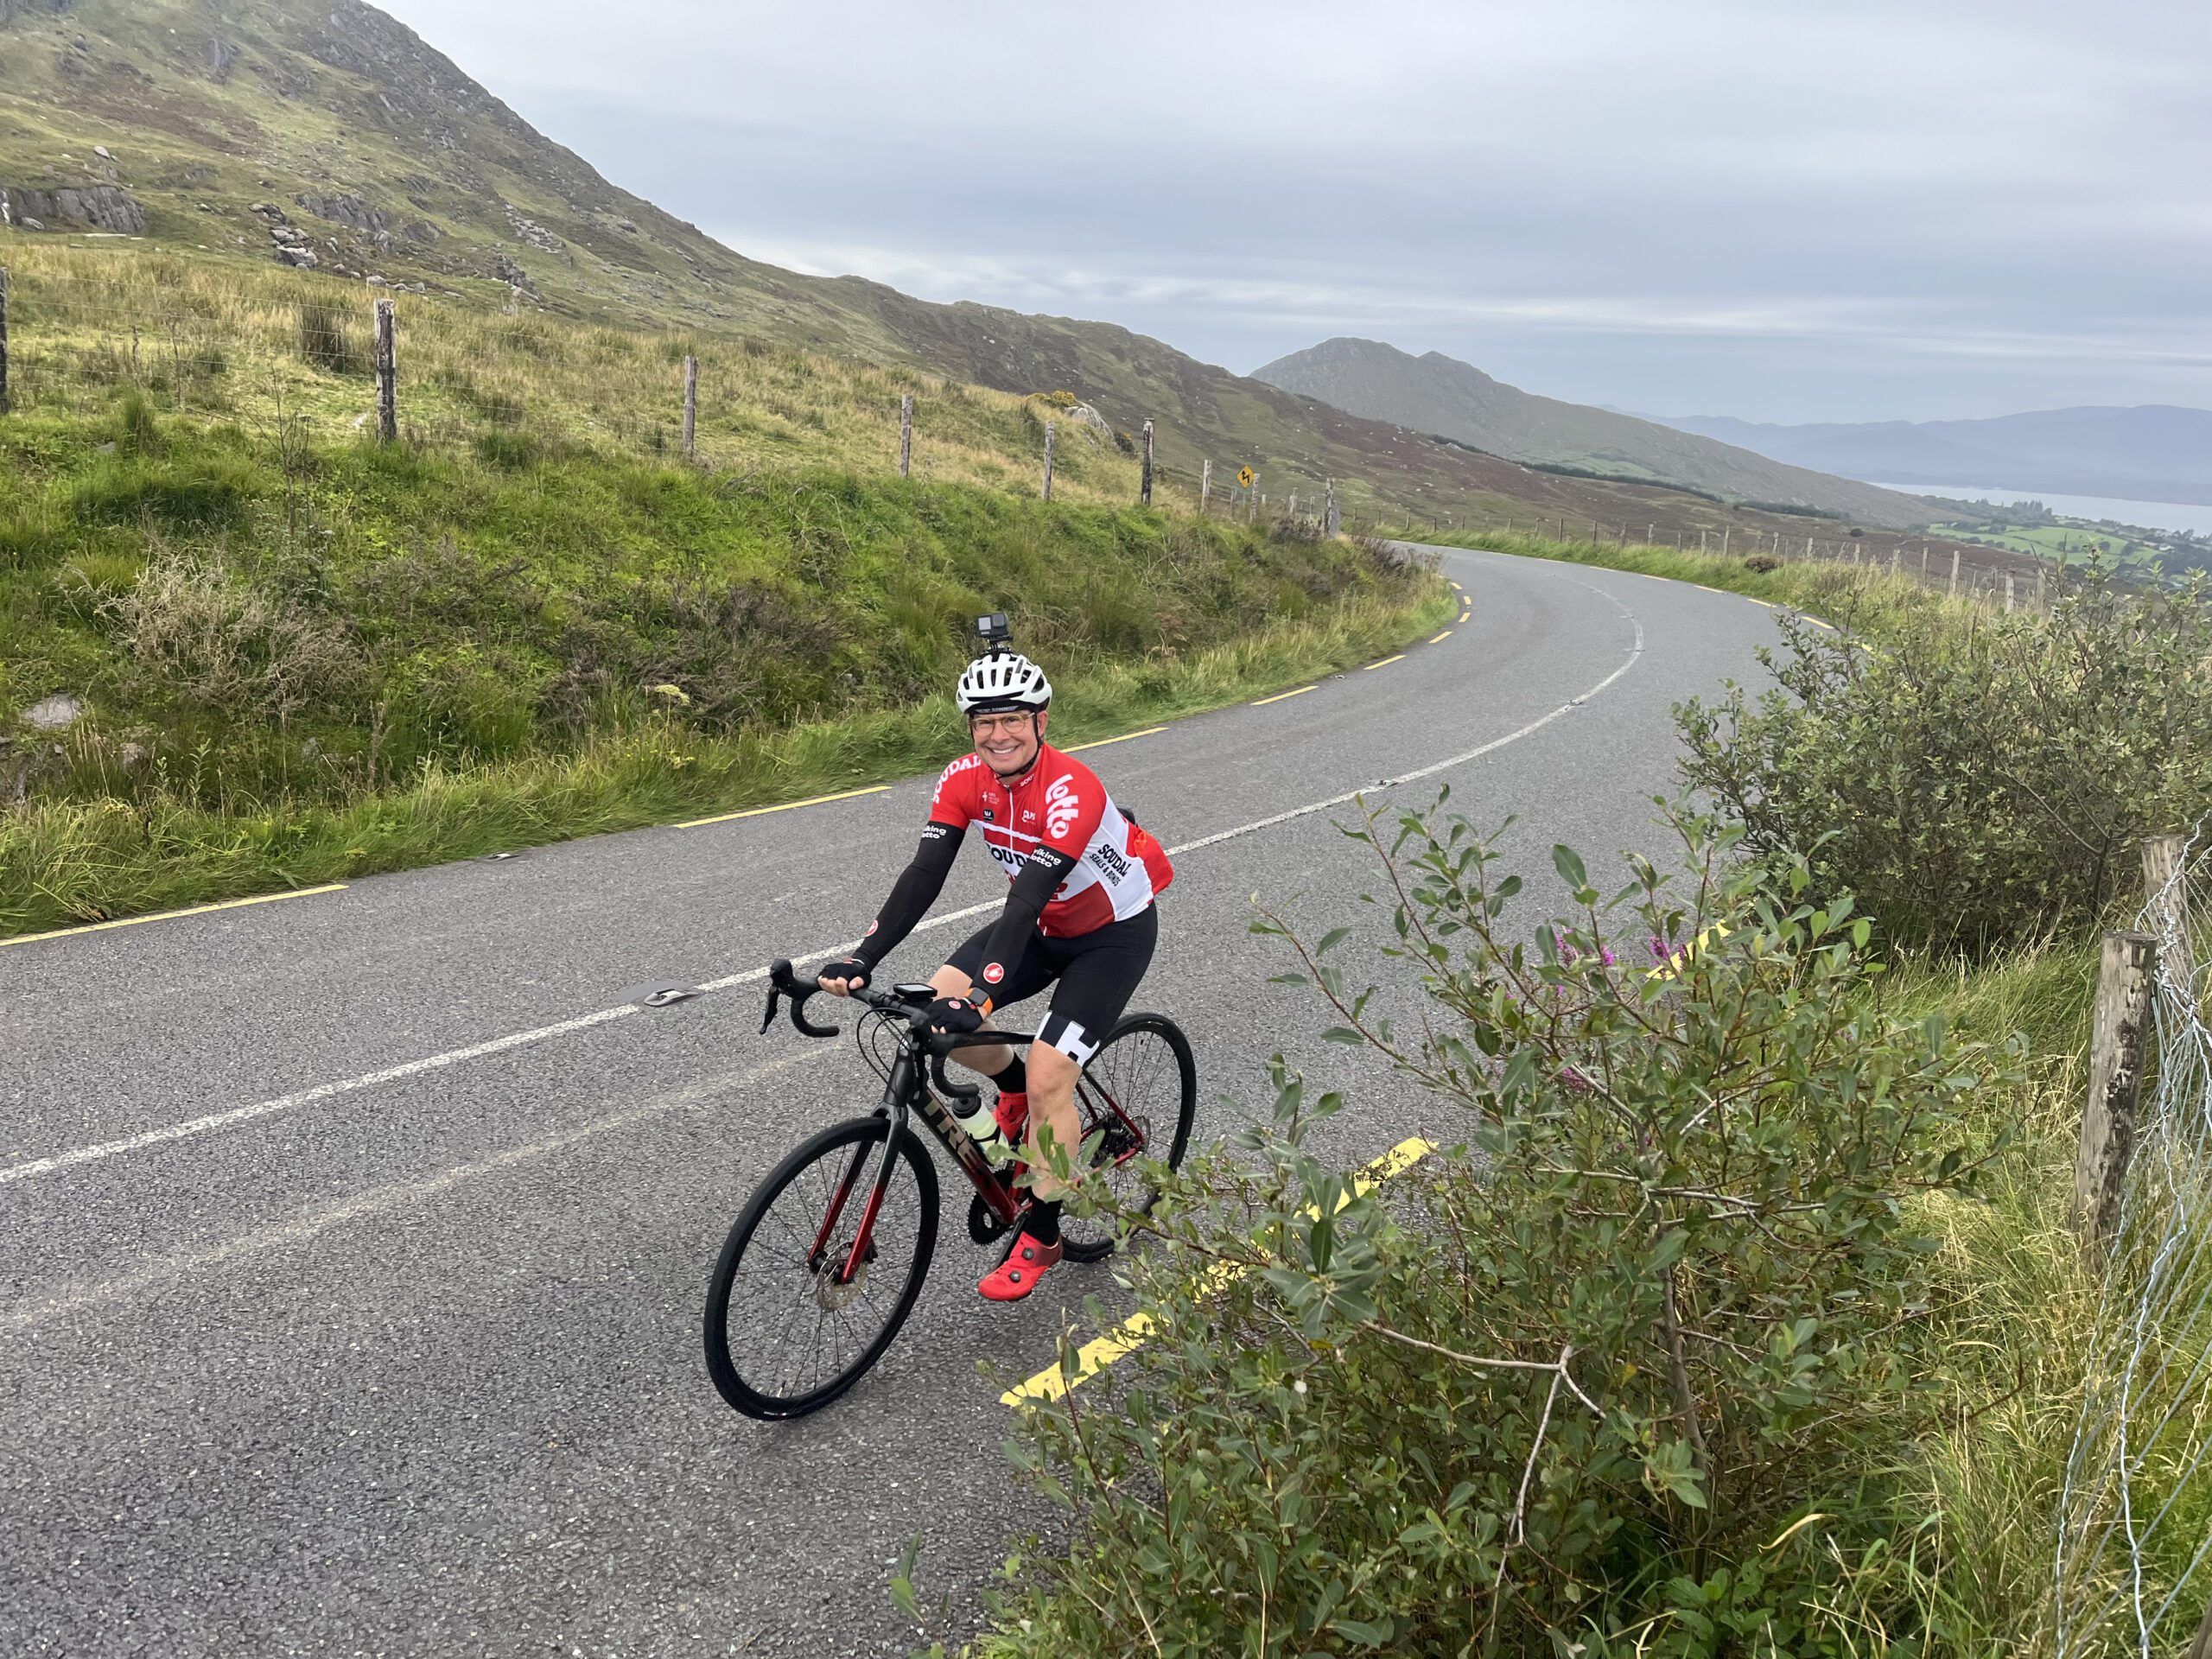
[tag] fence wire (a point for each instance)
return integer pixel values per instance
(2135, 1522)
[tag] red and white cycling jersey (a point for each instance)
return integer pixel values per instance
(1060, 804)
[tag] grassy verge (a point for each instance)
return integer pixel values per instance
(2017, 1313)
(1863, 593)
(64, 861)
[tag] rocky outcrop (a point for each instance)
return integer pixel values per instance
(92, 207)
(352, 212)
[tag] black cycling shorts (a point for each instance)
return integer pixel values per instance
(1096, 974)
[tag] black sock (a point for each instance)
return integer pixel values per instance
(1044, 1222)
(1014, 1080)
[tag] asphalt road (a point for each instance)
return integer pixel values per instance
(351, 1247)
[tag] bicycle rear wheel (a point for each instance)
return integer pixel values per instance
(1139, 1094)
(786, 1330)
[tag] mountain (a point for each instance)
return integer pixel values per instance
(2155, 452)
(1440, 394)
(323, 134)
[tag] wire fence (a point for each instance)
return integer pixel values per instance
(2135, 1526)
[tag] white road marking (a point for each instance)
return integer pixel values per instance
(377, 1200)
(237, 1115)
(308, 1096)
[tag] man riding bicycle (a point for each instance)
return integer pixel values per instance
(1079, 918)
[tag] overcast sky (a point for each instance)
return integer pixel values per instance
(1780, 210)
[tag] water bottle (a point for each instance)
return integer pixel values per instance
(982, 1128)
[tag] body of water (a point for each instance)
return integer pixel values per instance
(2150, 515)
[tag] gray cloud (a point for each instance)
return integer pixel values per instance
(1784, 212)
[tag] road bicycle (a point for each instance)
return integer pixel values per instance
(812, 1285)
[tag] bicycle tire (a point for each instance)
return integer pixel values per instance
(759, 1396)
(1094, 1240)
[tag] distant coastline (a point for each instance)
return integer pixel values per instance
(2150, 515)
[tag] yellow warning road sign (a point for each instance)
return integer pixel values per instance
(1245, 475)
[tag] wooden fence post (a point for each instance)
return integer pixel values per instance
(4, 404)
(1205, 486)
(2117, 1035)
(691, 405)
(905, 434)
(1726, 531)
(1252, 500)
(1955, 572)
(387, 374)
(2008, 593)
(2042, 593)
(1924, 564)
(1329, 521)
(1649, 530)
(1048, 460)
(1144, 493)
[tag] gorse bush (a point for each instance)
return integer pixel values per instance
(1976, 780)
(1618, 1376)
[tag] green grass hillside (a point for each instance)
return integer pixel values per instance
(265, 130)
(234, 655)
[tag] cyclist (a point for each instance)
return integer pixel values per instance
(1079, 918)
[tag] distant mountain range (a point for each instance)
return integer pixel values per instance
(2156, 452)
(1438, 394)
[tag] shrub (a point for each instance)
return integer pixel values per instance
(1761, 563)
(1615, 1377)
(195, 631)
(1977, 780)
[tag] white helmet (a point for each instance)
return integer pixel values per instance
(1002, 681)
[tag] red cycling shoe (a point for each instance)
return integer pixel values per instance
(1012, 1110)
(1016, 1276)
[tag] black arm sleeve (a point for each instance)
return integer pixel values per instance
(1032, 890)
(914, 891)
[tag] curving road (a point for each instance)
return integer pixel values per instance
(351, 1246)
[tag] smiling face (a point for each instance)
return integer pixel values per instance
(1009, 742)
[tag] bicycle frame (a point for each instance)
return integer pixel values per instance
(902, 1095)
(906, 1090)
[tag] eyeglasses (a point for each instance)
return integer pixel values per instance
(987, 725)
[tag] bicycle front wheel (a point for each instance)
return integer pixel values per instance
(788, 1328)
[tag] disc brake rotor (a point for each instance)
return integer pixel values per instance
(833, 1295)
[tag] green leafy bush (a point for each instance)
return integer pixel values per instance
(1975, 780)
(1615, 1378)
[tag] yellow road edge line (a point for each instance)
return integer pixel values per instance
(1441, 638)
(785, 806)
(1263, 702)
(1711, 935)
(1385, 663)
(1074, 748)
(1817, 623)
(171, 915)
(1095, 1356)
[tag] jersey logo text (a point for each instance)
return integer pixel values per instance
(1060, 806)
